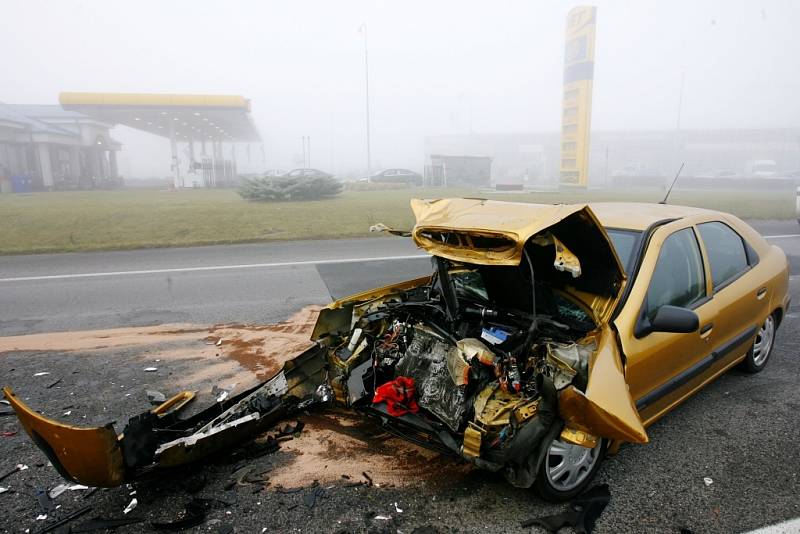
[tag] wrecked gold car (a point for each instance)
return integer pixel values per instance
(545, 336)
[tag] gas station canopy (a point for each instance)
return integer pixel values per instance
(178, 117)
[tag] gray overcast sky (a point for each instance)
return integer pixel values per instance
(301, 63)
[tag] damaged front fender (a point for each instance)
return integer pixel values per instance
(606, 409)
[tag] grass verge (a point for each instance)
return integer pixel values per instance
(105, 220)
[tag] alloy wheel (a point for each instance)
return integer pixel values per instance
(568, 465)
(763, 342)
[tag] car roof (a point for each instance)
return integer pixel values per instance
(640, 215)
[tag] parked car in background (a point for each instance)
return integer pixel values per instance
(307, 173)
(718, 173)
(797, 205)
(762, 168)
(273, 173)
(397, 176)
(637, 170)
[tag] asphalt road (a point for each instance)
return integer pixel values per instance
(740, 431)
(219, 284)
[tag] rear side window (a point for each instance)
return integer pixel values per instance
(678, 279)
(726, 252)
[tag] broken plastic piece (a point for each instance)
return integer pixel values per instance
(380, 227)
(194, 514)
(155, 397)
(131, 505)
(582, 514)
(150, 369)
(708, 481)
(58, 490)
(41, 374)
(105, 524)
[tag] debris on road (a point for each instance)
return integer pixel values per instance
(8, 433)
(150, 369)
(54, 384)
(193, 515)
(61, 488)
(3, 490)
(63, 521)
(131, 506)
(582, 514)
(99, 523)
(18, 467)
(155, 397)
(398, 509)
(44, 373)
(708, 481)
(221, 394)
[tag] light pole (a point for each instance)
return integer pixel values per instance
(363, 30)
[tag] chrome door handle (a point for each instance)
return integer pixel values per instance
(761, 293)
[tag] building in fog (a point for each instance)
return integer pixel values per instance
(45, 148)
(629, 157)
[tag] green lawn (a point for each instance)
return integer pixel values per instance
(101, 220)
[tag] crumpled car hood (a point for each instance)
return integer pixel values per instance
(488, 232)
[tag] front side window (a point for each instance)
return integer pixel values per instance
(678, 279)
(725, 249)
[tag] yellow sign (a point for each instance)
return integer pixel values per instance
(577, 103)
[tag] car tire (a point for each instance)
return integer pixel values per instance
(567, 470)
(758, 355)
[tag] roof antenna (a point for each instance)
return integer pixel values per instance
(673, 184)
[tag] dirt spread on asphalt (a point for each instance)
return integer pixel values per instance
(258, 350)
(342, 446)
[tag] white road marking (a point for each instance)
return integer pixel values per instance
(212, 268)
(792, 526)
(784, 236)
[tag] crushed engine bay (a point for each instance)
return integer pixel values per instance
(487, 358)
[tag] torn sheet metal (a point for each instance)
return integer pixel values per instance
(565, 260)
(606, 409)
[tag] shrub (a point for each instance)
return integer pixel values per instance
(281, 188)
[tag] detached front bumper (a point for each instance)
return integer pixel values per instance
(158, 439)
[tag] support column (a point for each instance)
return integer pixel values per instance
(112, 163)
(43, 152)
(75, 164)
(176, 170)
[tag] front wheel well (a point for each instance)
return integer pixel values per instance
(778, 314)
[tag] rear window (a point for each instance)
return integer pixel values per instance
(726, 252)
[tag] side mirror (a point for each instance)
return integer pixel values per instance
(668, 319)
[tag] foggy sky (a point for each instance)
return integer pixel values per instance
(438, 67)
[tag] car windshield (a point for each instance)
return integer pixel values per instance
(624, 243)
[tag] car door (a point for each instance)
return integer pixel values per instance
(660, 366)
(742, 303)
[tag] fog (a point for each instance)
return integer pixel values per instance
(445, 67)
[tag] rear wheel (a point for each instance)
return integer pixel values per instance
(758, 355)
(568, 469)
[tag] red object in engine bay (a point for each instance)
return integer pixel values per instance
(399, 396)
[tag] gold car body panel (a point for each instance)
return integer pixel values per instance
(771, 273)
(514, 221)
(88, 455)
(606, 409)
